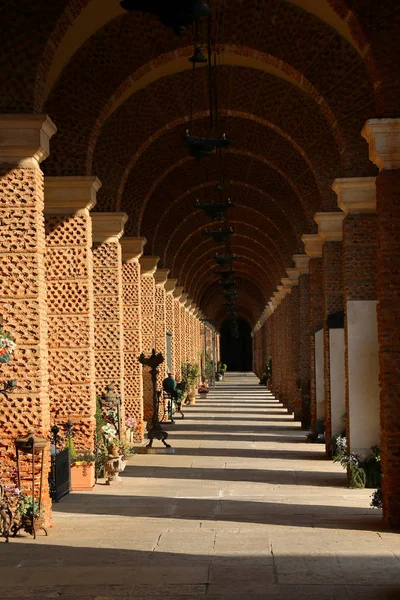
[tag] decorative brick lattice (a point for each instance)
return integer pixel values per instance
(177, 355)
(133, 381)
(69, 274)
(23, 307)
(316, 317)
(147, 290)
(107, 284)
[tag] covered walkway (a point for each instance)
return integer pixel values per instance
(242, 508)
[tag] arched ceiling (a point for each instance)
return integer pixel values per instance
(297, 80)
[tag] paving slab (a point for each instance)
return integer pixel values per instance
(241, 508)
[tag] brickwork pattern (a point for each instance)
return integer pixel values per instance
(132, 321)
(388, 208)
(108, 312)
(316, 318)
(161, 331)
(23, 307)
(147, 290)
(177, 356)
(69, 278)
(304, 324)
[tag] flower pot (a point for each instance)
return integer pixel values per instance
(203, 395)
(82, 477)
(113, 450)
(192, 398)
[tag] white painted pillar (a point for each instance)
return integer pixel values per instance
(363, 376)
(319, 374)
(337, 380)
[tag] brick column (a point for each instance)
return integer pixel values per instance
(24, 144)
(383, 136)
(178, 357)
(330, 231)
(170, 320)
(313, 247)
(357, 198)
(148, 266)
(183, 326)
(107, 230)
(69, 277)
(160, 277)
(132, 250)
(301, 272)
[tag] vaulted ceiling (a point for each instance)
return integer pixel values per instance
(297, 81)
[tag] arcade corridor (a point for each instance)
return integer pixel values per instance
(242, 508)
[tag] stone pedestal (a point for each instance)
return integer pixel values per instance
(132, 249)
(69, 277)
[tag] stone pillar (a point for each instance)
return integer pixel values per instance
(132, 250)
(160, 277)
(383, 136)
(330, 231)
(69, 277)
(24, 144)
(313, 247)
(301, 262)
(170, 320)
(357, 198)
(148, 266)
(107, 230)
(178, 356)
(183, 322)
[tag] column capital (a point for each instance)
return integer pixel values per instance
(356, 194)
(275, 301)
(330, 226)
(287, 285)
(178, 291)
(161, 276)
(189, 300)
(68, 195)
(108, 226)
(148, 265)
(25, 139)
(383, 138)
(170, 285)
(132, 248)
(183, 298)
(293, 275)
(313, 244)
(302, 263)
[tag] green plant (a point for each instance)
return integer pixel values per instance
(84, 457)
(190, 373)
(125, 449)
(209, 369)
(221, 368)
(69, 444)
(376, 498)
(27, 507)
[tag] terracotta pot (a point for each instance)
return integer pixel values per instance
(113, 450)
(192, 398)
(203, 395)
(82, 477)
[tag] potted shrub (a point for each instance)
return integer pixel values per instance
(221, 369)
(190, 375)
(203, 391)
(83, 471)
(31, 518)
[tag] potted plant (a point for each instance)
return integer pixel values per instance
(221, 369)
(7, 346)
(83, 471)
(31, 518)
(203, 391)
(190, 375)
(126, 451)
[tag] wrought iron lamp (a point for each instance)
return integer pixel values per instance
(156, 431)
(223, 260)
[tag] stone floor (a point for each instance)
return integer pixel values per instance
(242, 508)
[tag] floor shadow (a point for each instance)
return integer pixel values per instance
(242, 429)
(248, 437)
(228, 417)
(278, 477)
(88, 572)
(223, 509)
(297, 455)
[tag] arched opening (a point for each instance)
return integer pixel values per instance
(236, 352)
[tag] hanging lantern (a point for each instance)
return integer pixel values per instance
(221, 235)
